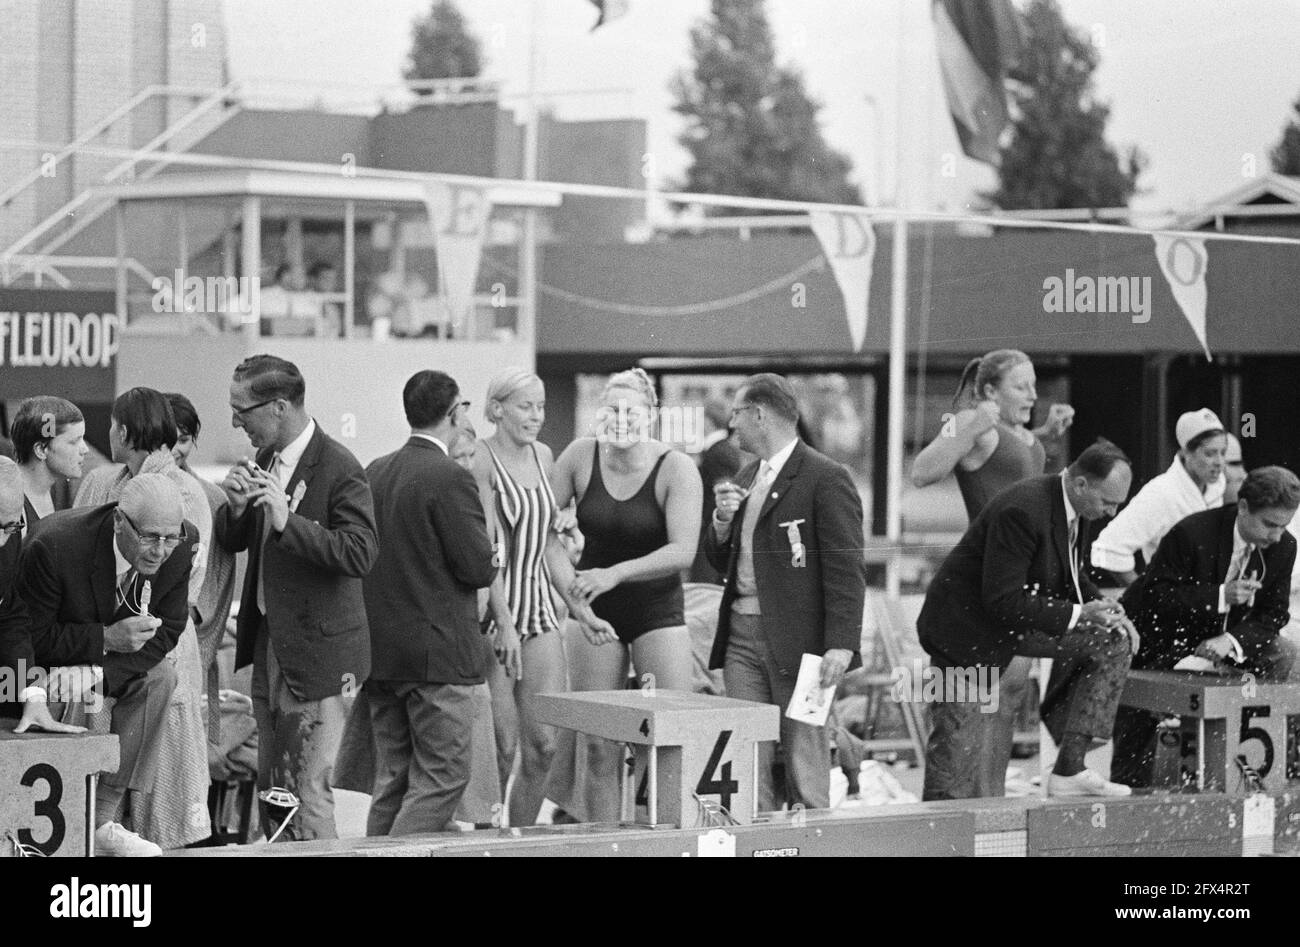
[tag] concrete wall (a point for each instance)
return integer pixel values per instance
(354, 388)
(273, 135)
(18, 110)
(452, 140)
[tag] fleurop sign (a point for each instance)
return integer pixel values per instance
(58, 342)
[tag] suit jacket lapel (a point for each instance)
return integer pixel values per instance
(305, 470)
(1224, 561)
(103, 576)
(1061, 530)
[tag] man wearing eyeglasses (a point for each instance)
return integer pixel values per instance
(108, 586)
(304, 512)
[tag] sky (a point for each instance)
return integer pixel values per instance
(1204, 87)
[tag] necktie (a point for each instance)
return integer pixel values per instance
(124, 587)
(274, 470)
(1236, 570)
(757, 494)
(745, 584)
(1074, 559)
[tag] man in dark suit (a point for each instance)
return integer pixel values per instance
(720, 459)
(22, 688)
(108, 585)
(795, 577)
(1218, 587)
(421, 598)
(304, 513)
(1014, 584)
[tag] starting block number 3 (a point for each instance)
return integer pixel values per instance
(45, 809)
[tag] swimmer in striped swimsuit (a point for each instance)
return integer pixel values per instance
(513, 475)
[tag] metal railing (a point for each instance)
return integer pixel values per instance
(150, 152)
(43, 264)
(97, 129)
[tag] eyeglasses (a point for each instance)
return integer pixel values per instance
(151, 539)
(743, 407)
(8, 529)
(240, 412)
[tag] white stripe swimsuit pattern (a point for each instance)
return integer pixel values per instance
(529, 515)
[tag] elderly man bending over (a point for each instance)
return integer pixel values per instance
(106, 586)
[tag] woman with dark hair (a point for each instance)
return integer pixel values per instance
(49, 438)
(141, 436)
(218, 588)
(989, 445)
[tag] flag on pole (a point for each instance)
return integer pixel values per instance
(1183, 260)
(458, 216)
(610, 10)
(978, 42)
(850, 245)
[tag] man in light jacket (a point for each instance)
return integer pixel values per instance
(1193, 483)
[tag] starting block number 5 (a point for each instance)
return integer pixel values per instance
(1251, 732)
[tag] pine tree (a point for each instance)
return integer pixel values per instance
(442, 46)
(1057, 156)
(1286, 156)
(752, 128)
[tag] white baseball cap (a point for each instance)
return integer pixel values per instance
(1195, 423)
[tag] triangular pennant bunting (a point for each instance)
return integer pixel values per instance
(850, 245)
(458, 215)
(1183, 260)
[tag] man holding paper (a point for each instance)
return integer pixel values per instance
(1217, 588)
(787, 535)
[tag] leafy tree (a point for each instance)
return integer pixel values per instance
(751, 127)
(1057, 155)
(442, 46)
(1286, 156)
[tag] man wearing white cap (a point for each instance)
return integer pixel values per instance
(1193, 483)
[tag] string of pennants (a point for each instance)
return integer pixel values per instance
(459, 215)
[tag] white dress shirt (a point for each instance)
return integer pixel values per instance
(1151, 513)
(768, 471)
(285, 463)
(1072, 525)
(430, 437)
(1238, 567)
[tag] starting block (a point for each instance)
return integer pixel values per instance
(700, 749)
(1228, 716)
(47, 788)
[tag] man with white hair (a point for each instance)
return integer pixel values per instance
(107, 585)
(17, 659)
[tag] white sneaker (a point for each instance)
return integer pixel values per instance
(1086, 783)
(113, 841)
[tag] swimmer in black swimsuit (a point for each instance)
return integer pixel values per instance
(639, 505)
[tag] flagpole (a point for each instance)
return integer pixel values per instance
(526, 320)
(897, 338)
